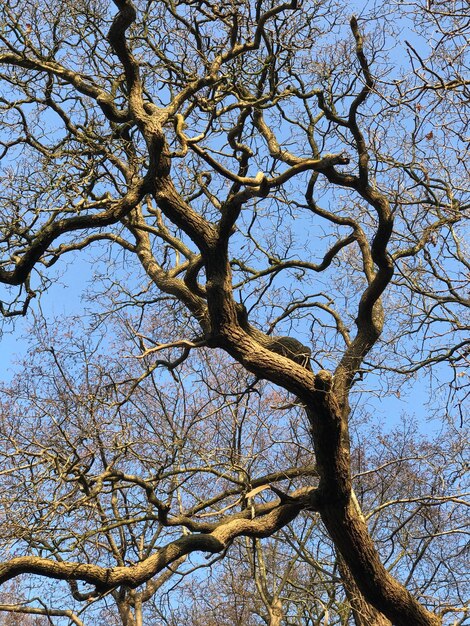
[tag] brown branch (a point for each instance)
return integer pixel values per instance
(53, 230)
(49, 612)
(82, 83)
(109, 578)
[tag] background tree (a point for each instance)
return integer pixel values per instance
(80, 454)
(273, 188)
(94, 446)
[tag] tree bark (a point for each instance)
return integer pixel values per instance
(364, 613)
(276, 612)
(344, 522)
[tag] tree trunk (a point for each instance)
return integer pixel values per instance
(344, 521)
(276, 612)
(364, 613)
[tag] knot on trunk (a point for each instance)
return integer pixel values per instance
(323, 381)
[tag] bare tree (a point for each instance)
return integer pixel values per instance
(276, 190)
(94, 452)
(413, 489)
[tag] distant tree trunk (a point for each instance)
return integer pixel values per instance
(276, 612)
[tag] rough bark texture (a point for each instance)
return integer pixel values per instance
(346, 525)
(364, 613)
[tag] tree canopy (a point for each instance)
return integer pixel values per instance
(274, 197)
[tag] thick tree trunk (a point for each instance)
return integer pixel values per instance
(352, 539)
(364, 613)
(345, 523)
